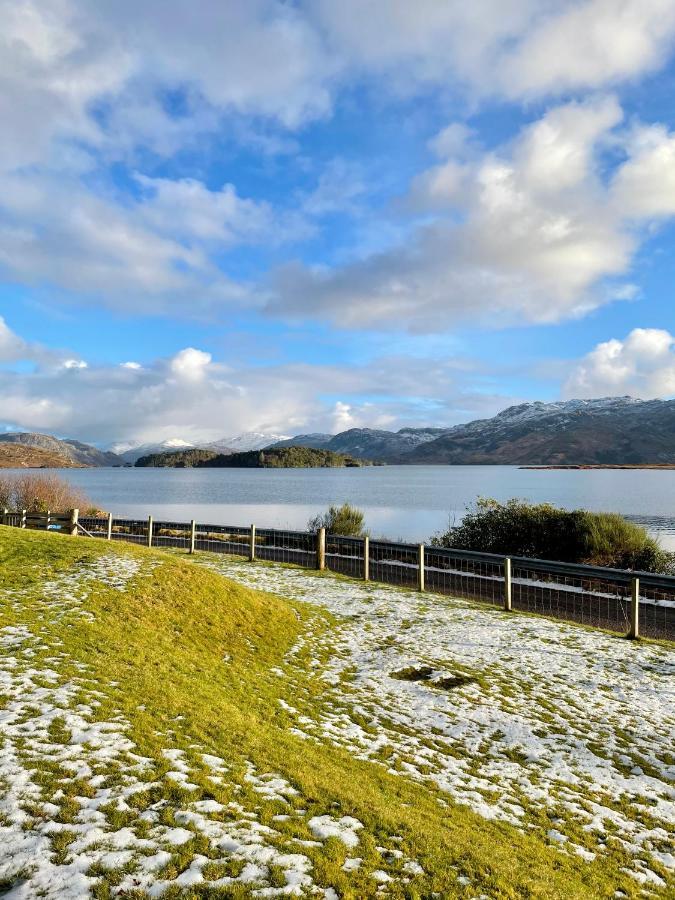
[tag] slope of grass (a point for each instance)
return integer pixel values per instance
(145, 709)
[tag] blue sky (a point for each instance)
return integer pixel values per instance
(298, 216)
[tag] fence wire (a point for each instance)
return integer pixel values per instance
(231, 539)
(171, 534)
(394, 563)
(474, 576)
(345, 555)
(96, 526)
(657, 609)
(133, 530)
(575, 596)
(296, 547)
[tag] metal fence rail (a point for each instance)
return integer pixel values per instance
(632, 603)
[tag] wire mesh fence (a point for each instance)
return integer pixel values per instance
(463, 574)
(94, 526)
(657, 608)
(588, 595)
(394, 563)
(133, 530)
(345, 555)
(296, 547)
(231, 539)
(171, 534)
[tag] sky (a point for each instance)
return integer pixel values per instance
(223, 216)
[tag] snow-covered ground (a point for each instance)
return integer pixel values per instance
(555, 729)
(544, 725)
(56, 841)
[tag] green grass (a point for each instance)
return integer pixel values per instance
(186, 656)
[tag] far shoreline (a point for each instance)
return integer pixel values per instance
(577, 466)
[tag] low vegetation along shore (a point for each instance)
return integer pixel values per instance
(218, 728)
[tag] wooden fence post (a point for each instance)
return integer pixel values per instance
(109, 528)
(149, 531)
(634, 632)
(321, 549)
(420, 567)
(4, 516)
(251, 544)
(507, 584)
(193, 535)
(23, 519)
(366, 558)
(74, 516)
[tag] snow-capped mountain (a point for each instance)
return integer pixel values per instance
(130, 452)
(619, 430)
(250, 440)
(608, 430)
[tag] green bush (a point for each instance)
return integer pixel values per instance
(543, 531)
(345, 520)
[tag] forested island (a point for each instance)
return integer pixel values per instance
(274, 458)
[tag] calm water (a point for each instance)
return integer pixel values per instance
(408, 502)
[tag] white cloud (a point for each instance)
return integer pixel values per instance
(12, 347)
(86, 84)
(590, 44)
(192, 397)
(15, 349)
(523, 48)
(191, 364)
(645, 185)
(642, 365)
(526, 233)
(74, 364)
(187, 209)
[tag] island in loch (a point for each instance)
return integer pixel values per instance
(273, 458)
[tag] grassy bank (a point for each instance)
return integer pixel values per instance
(148, 747)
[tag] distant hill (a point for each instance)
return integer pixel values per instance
(275, 458)
(20, 456)
(70, 453)
(368, 443)
(606, 431)
(613, 430)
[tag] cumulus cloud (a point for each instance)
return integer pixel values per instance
(525, 231)
(14, 348)
(529, 232)
(642, 365)
(589, 45)
(518, 49)
(192, 397)
(644, 187)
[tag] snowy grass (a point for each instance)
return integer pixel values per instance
(169, 732)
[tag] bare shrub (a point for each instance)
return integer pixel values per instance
(39, 493)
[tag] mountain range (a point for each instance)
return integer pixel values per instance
(250, 440)
(610, 430)
(606, 431)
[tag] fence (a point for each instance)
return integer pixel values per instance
(634, 603)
